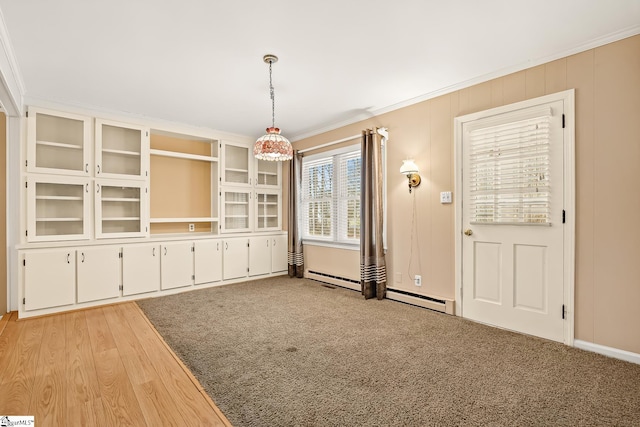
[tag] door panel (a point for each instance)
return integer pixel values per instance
(512, 204)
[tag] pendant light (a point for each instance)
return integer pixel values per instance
(272, 145)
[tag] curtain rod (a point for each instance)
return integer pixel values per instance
(381, 131)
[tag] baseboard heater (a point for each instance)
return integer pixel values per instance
(441, 305)
(333, 280)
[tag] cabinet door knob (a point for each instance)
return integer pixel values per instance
(165, 251)
(68, 255)
(226, 245)
(153, 251)
(86, 167)
(97, 188)
(98, 168)
(82, 256)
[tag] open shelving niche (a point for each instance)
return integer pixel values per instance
(184, 183)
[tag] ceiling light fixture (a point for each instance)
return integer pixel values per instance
(272, 145)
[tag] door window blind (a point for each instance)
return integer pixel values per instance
(509, 173)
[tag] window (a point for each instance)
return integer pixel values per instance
(330, 199)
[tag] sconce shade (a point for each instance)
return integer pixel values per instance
(408, 167)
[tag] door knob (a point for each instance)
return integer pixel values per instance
(468, 232)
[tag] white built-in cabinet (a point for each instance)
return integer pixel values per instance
(49, 278)
(122, 150)
(176, 265)
(236, 258)
(279, 252)
(58, 143)
(98, 272)
(207, 261)
(140, 268)
(86, 212)
(267, 254)
(251, 192)
(58, 208)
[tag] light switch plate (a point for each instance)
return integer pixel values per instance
(445, 197)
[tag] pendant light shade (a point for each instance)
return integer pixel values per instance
(272, 145)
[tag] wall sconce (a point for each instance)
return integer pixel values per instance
(410, 169)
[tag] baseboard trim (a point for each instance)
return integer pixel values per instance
(608, 351)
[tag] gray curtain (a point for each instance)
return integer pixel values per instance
(296, 260)
(373, 270)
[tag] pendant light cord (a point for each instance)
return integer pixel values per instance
(273, 98)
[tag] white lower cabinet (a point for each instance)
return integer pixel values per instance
(267, 254)
(279, 252)
(49, 278)
(140, 269)
(236, 258)
(259, 255)
(98, 273)
(176, 265)
(57, 279)
(207, 261)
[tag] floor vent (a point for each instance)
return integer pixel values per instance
(436, 304)
(333, 280)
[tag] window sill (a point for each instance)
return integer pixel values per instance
(337, 245)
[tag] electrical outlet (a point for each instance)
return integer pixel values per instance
(417, 280)
(192, 227)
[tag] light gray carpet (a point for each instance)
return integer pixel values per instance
(292, 352)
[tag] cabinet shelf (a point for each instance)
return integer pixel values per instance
(125, 218)
(175, 154)
(267, 216)
(59, 145)
(122, 152)
(63, 198)
(268, 173)
(58, 219)
(180, 220)
(236, 170)
(120, 199)
(236, 216)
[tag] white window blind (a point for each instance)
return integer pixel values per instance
(509, 173)
(348, 223)
(317, 198)
(330, 202)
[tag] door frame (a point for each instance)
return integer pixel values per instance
(568, 98)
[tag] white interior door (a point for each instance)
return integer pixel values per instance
(513, 219)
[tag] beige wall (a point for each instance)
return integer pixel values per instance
(3, 213)
(607, 85)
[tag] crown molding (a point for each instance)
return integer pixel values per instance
(591, 44)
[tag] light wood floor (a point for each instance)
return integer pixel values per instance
(105, 366)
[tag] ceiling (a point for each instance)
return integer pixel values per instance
(199, 62)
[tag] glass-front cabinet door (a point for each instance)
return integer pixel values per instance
(58, 208)
(58, 143)
(121, 209)
(268, 174)
(122, 150)
(236, 164)
(268, 208)
(236, 210)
